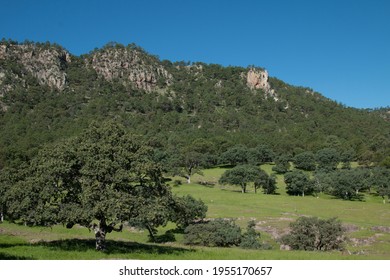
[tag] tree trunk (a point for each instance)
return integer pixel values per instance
(243, 188)
(151, 233)
(100, 235)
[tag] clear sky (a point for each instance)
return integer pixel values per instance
(340, 48)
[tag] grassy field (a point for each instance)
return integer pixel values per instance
(368, 225)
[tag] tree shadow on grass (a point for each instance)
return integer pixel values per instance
(5, 256)
(112, 247)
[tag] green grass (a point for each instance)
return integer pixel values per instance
(273, 213)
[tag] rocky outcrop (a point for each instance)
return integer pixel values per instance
(44, 62)
(258, 79)
(130, 66)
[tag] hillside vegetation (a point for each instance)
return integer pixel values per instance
(47, 94)
(122, 143)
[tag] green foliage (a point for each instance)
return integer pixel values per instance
(314, 234)
(305, 161)
(328, 159)
(241, 175)
(298, 183)
(250, 239)
(260, 155)
(282, 164)
(381, 181)
(215, 233)
(205, 105)
(235, 155)
(104, 175)
(348, 184)
(385, 162)
(187, 210)
(265, 181)
(186, 163)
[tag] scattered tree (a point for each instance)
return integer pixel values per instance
(348, 183)
(186, 164)
(237, 155)
(298, 183)
(268, 183)
(305, 161)
(282, 164)
(381, 181)
(327, 159)
(241, 175)
(260, 155)
(314, 234)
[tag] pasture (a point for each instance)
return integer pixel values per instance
(367, 223)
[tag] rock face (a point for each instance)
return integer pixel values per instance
(131, 66)
(258, 79)
(46, 63)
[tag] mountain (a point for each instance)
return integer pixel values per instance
(47, 94)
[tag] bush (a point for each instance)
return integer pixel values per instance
(314, 234)
(216, 233)
(250, 239)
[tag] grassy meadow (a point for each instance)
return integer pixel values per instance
(367, 223)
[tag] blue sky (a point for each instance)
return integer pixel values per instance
(338, 48)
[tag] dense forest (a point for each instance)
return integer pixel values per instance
(179, 107)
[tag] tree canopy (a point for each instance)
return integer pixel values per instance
(99, 180)
(241, 175)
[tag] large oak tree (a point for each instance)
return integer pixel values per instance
(100, 180)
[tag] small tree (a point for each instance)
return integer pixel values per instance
(322, 183)
(348, 183)
(327, 159)
(282, 164)
(237, 155)
(305, 161)
(186, 163)
(381, 181)
(261, 154)
(314, 234)
(346, 157)
(240, 175)
(268, 183)
(298, 183)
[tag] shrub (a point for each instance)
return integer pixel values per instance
(250, 239)
(314, 234)
(216, 233)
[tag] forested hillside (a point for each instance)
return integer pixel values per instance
(48, 94)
